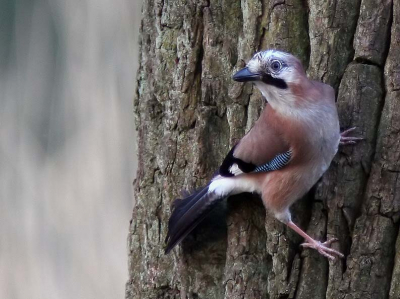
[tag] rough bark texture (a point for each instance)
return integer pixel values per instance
(190, 112)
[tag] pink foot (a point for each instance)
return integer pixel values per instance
(324, 248)
(344, 139)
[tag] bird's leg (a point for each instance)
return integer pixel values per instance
(322, 248)
(344, 139)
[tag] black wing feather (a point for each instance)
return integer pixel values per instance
(230, 160)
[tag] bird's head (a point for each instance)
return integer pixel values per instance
(278, 75)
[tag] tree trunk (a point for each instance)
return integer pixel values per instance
(190, 112)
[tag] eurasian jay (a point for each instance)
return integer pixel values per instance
(285, 153)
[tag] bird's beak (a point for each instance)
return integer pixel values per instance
(244, 75)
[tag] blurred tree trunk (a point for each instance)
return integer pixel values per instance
(190, 112)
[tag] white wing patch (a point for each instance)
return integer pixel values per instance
(235, 170)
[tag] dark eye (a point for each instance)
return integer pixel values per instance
(276, 65)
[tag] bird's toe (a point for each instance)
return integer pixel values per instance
(324, 248)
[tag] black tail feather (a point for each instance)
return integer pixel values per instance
(181, 206)
(187, 214)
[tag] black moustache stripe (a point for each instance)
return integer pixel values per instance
(279, 83)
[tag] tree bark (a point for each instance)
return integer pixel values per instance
(190, 112)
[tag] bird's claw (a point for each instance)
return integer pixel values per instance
(344, 139)
(324, 248)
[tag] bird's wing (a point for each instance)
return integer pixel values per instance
(262, 148)
(190, 211)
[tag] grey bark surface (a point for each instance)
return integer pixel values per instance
(189, 113)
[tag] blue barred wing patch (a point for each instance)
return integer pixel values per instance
(276, 163)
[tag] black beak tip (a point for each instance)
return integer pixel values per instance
(244, 75)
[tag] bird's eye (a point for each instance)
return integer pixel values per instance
(276, 66)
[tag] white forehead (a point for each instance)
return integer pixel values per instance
(270, 55)
(264, 58)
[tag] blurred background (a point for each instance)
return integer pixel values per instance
(67, 152)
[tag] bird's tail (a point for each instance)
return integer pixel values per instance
(188, 213)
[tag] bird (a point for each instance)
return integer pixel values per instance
(282, 156)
